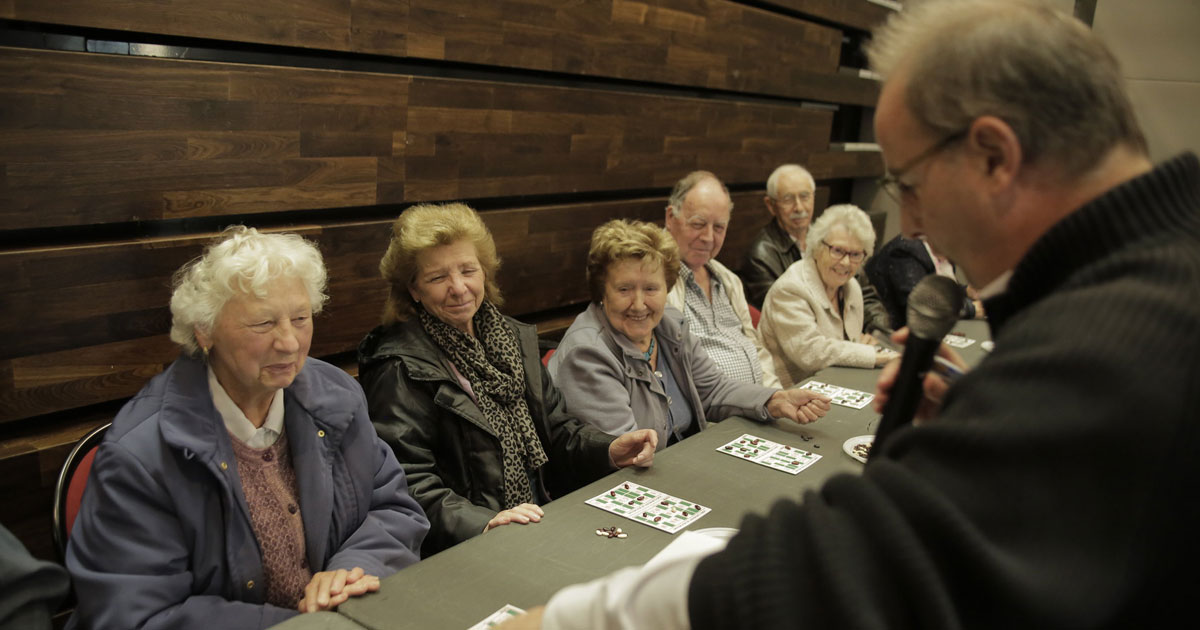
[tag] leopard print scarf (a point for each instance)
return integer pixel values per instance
(492, 363)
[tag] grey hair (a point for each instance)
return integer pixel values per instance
(1042, 72)
(849, 216)
(778, 173)
(684, 186)
(242, 261)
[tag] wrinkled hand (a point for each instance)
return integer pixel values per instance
(635, 448)
(799, 405)
(531, 620)
(934, 386)
(524, 514)
(868, 338)
(883, 356)
(329, 589)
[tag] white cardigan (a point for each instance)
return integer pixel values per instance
(801, 329)
(737, 296)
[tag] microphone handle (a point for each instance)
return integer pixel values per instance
(907, 389)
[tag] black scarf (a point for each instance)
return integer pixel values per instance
(491, 361)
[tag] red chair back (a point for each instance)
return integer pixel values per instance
(72, 480)
(754, 315)
(546, 357)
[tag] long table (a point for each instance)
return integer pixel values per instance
(524, 565)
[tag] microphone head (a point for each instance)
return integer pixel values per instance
(933, 307)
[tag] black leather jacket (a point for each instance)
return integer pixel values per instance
(770, 254)
(450, 454)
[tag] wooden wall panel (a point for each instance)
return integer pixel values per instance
(858, 14)
(712, 44)
(88, 139)
(472, 139)
(211, 139)
(306, 23)
(717, 44)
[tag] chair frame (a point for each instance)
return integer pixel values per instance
(65, 474)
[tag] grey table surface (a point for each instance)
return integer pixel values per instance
(524, 565)
(324, 620)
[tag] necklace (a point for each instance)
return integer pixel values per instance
(649, 353)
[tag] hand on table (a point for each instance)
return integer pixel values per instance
(531, 620)
(934, 386)
(868, 338)
(524, 514)
(798, 405)
(329, 589)
(635, 448)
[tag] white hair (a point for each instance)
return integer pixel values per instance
(242, 261)
(780, 172)
(849, 216)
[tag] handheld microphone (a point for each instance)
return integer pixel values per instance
(933, 307)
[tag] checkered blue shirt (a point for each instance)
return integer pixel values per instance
(717, 326)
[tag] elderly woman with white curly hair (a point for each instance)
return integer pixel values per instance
(244, 484)
(813, 315)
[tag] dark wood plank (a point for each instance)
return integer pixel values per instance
(88, 139)
(716, 44)
(307, 23)
(516, 139)
(858, 14)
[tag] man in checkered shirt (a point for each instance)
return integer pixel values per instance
(711, 296)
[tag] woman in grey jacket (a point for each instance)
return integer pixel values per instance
(628, 361)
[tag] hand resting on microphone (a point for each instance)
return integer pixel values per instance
(933, 387)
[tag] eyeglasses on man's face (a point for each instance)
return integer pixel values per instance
(791, 201)
(897, 189)
(855, 256)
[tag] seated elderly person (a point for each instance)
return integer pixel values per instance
(791, 194)
(459, 391)
(813, 315)
(629, 362)
(245, 483)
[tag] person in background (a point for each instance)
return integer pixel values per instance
(1014, 150)
(630, 361)
(813, 316)
(897, 267)
(709, 295)
(245, 483)
(791, 194)
(459, 392)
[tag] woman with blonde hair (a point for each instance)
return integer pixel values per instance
(459, 391)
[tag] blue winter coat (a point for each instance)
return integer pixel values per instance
(164, 538)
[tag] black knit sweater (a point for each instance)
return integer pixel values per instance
(1058, 489)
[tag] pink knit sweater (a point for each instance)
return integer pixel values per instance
(269, 484)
